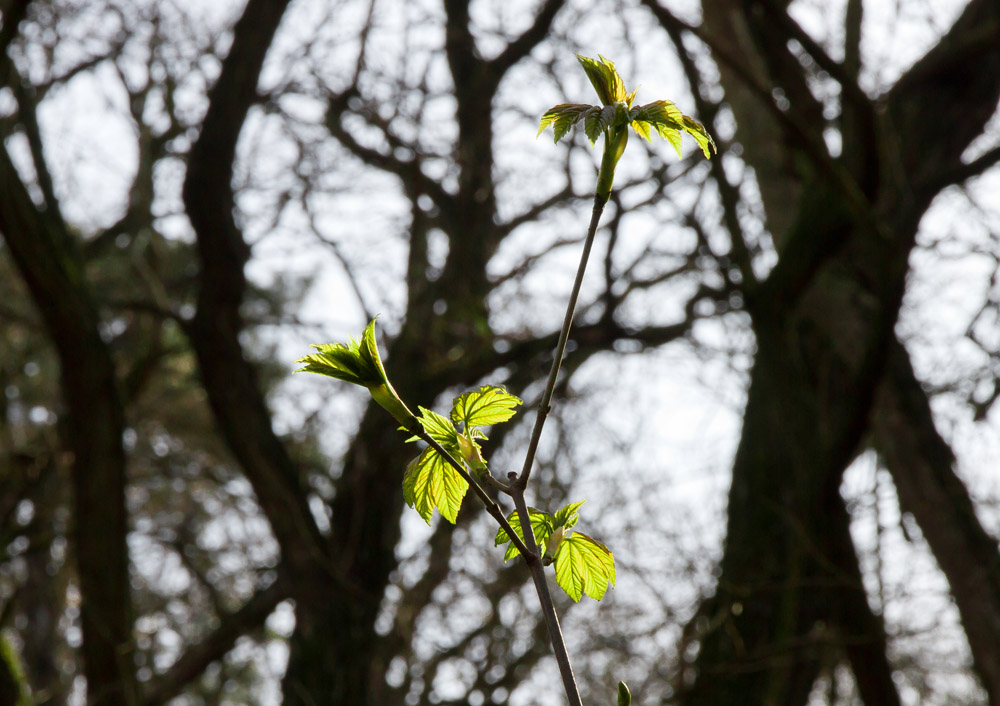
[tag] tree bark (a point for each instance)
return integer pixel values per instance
(366, 509)
(824, 324)
(93, 424)
(922, 468)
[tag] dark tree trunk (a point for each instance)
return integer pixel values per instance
(790, 591)
(93, 424)
(790, 586)
(922, 468)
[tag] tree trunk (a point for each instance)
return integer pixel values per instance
(824, 325)
(922, 468)
(93, 423)
(790, 590)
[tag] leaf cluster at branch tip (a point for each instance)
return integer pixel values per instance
(430, 481)
(617, 113)
(358, 363)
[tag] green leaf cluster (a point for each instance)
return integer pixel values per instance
(583, 565)
(614, 116)
(430, 482)
(669, 123)
(359, 363)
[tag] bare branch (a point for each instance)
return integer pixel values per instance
(229, 379)
(52, 268)
(522, 46)
(196, 658)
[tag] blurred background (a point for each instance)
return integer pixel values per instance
(779, 398)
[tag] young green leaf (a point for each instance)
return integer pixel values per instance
(564, 116)
(489, 405)
(354, 362)
(358, 363)
(598, 120)
(584, 565)
(554, 540)
(569, 515)
(670, 123)
(541, 526)
(615, 115)
(471, 453)
(438, 428)
(431, 483)
(616, 110)
(624, 695)
(605, 79)
(701, 136)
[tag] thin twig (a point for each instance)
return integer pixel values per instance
(534, 561)
(518, 483)
(527, 547)
(521, 481)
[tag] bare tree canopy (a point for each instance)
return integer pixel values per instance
(190, 193)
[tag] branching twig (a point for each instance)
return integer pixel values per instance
(491, 506)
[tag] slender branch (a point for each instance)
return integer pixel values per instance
(814, 149)
(840, 72)
(537, 569)
(192, 664)
(406, 170)
(27, 110)
(967, 170)
(527, 547)
(533, 213)
(520, 47)
(521, 481)
(529, 261)
(728, 194)
(531, 555)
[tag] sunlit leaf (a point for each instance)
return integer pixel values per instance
(358, 362)
(562, 117)
(489, 405)
(471, 452)
(701, 136)
(597, 121)
(569, 515)
(431, 483)
(670, 123)
(604, 77)
(612, 120)
(541, 526)
(660, 112)
(584, 565)
(641, 128)
(438, 428)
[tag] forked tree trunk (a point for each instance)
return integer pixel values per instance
(790, 587)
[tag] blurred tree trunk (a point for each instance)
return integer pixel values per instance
(92, 425)
(338, 582)
(447, 350)
(790, 589)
